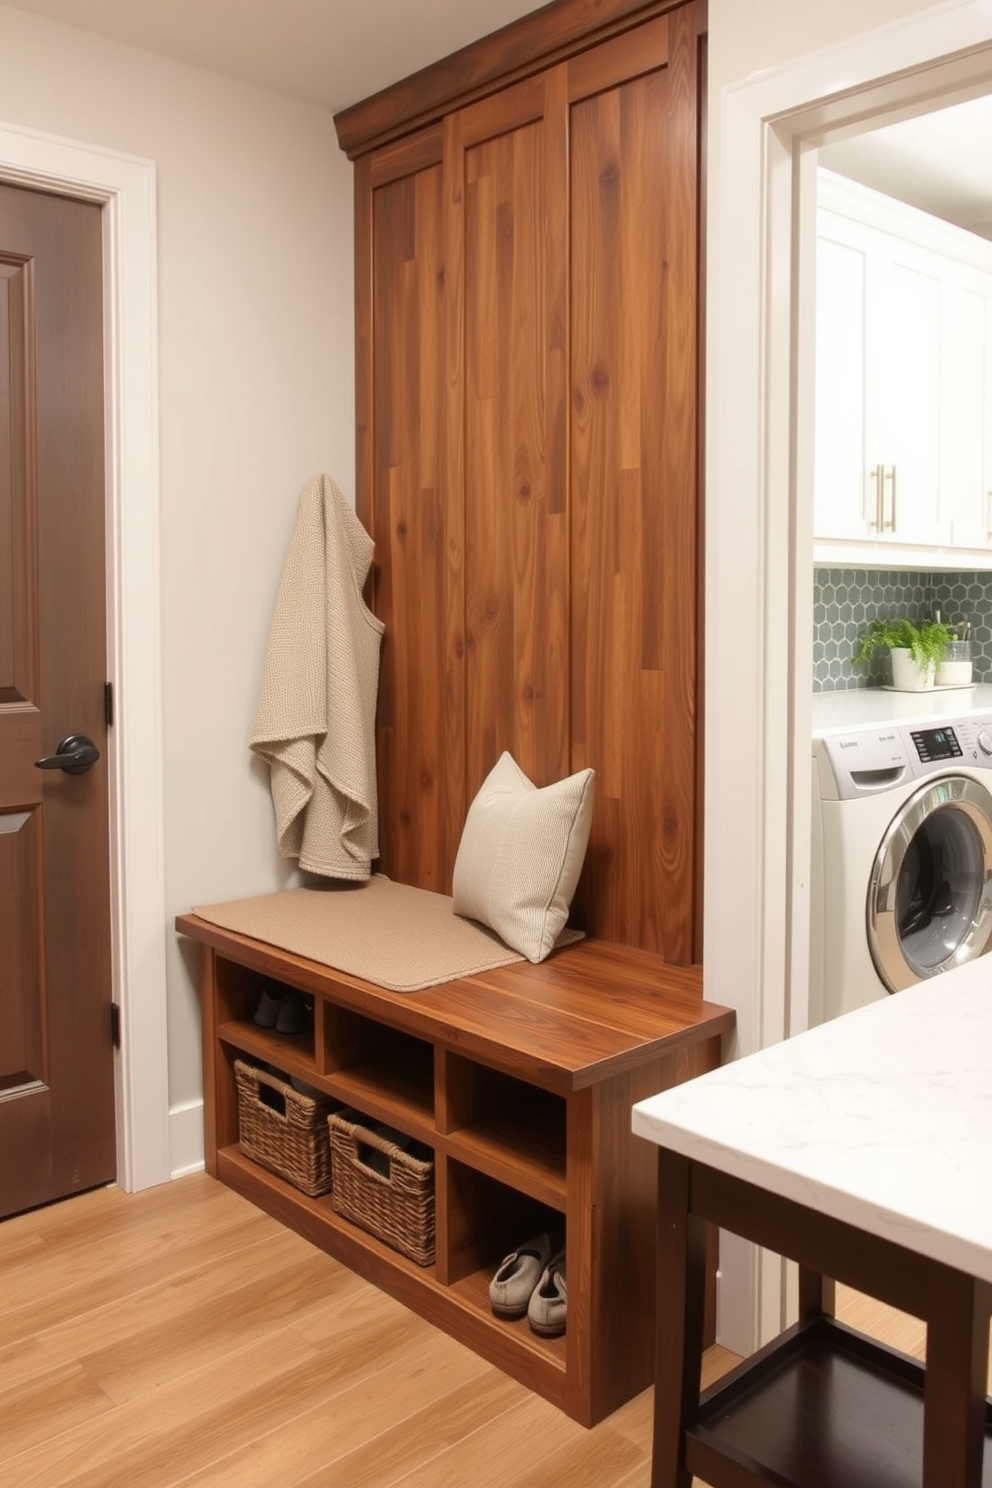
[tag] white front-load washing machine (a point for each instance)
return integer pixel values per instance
(901, 879)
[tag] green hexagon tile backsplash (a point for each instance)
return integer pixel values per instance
(845, 599)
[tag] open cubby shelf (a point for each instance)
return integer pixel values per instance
(524, 1096)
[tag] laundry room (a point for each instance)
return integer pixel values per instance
(902, 464)
(901, 875)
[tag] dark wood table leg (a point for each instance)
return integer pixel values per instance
(680, 1293)
(958, 1311)
(817, 1294)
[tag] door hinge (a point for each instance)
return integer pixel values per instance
(108, 704)
(115, 1025)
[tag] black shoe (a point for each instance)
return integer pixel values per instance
(295, 1013)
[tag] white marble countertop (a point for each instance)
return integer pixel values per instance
(882, 1118)
(864, 707)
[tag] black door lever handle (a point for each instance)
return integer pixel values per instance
(75, 755)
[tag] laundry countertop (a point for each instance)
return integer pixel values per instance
(881, 1118)
(863, 707)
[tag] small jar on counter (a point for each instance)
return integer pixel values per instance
(954, 669)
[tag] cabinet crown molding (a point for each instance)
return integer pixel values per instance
(536, 40)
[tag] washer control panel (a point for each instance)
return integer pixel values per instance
(936, 744)
(974, 737)
(865, 762)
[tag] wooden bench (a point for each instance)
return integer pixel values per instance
(521, 1081)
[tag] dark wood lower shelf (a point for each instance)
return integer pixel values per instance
(823, 1407)
(461, 1310)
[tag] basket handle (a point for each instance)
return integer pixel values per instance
(364, 1154)
(271, 1096)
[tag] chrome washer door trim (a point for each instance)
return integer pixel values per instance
(956, 793)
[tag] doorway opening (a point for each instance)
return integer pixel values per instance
(759, 475)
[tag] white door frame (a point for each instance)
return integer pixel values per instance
(759, 538)
(126, 188)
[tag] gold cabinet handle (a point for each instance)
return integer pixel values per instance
(890, 476)
(873, 509)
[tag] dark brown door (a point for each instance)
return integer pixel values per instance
(56, 1055)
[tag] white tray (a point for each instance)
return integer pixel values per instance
(946, 687)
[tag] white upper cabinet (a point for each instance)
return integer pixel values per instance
(967, 464)
(903, 384)
(844, 498)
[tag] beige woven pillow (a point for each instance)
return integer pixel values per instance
(521, 854)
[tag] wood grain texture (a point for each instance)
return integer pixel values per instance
(701, 193)
(589, 1010)
(524, 1101)
(516, 577)
(819, 1402)
(634, 530)
(541, 38)
(56, 1058)
(336, 1383)
(18, 513)
(417, 531)
(620, 1360)
(356, 1389)
(537, 548)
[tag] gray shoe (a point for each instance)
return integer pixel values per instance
(548, 1303)
(519, 1273)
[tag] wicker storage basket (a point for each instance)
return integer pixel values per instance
(385, 1188)
(283, 1129)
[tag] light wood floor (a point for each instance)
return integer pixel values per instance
(180, 1336)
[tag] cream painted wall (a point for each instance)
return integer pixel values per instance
(256, 393)
(752, 36)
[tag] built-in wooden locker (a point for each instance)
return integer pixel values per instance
(527, 408)
(527, 401)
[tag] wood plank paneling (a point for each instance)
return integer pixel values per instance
(417, 532)
(634, 531)
(528, 464)
(516, 586)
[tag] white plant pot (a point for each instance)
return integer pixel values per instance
(906, 675)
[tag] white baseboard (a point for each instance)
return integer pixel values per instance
(186, 1138)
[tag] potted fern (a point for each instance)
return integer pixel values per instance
(916, 648)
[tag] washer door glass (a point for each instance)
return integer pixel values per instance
(930, 892)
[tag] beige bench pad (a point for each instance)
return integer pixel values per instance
(387, 933)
